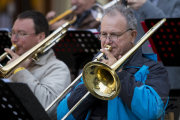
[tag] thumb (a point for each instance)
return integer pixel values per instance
(119, 57)
(13, 54)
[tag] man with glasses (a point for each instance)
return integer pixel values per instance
(47, 77)
(141, 95)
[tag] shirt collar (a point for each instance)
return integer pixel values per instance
(43, 58)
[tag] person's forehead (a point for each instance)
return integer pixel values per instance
(26, 24)
(114, 19)
(115, 13)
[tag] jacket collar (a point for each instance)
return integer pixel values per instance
(43, 58)
(135, 60)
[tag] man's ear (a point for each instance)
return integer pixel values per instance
(41, 36)
(133, 35)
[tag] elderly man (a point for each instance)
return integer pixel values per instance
(141, 96)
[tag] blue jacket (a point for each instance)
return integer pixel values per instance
(143, 95)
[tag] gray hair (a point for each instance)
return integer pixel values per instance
(126, 12)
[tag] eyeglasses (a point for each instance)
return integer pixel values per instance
(19, 34)
(103, 36)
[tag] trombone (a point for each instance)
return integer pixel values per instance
(40, 48)
(98, 9)
(102, 80)
(49, 109)
(5, 54)
(61, 16)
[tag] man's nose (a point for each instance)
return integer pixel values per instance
(108, 40)
(14, 38)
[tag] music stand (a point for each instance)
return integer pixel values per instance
(77, 48)
(165, 41)
(174, 103)
(17, 102)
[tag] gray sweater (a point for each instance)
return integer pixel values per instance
(47, 78)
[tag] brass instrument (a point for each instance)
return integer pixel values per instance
(5, 54)
(98, 15)
(97, 9)
(101, 80)
(49, 109)
(40, 48)
(61, 16)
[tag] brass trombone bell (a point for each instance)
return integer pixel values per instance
(102, 81)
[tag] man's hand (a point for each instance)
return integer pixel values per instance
(14, 56)
(110, 58)
(135, 4)
(57, 24)
(89, 22)
(51, 15)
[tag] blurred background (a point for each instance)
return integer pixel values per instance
(9, 9)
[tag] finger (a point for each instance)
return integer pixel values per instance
(104, 61)
(29, 60)
(51, 15)
(13, 54)
(26, 63)
(9, 61)
(107, 53)
(119, 57)
(57, 24)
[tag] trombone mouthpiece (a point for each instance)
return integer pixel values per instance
(13, 47)
(108, 47)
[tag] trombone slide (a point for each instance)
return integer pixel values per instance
(110, 4)
(59, 98)
(59, 17)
